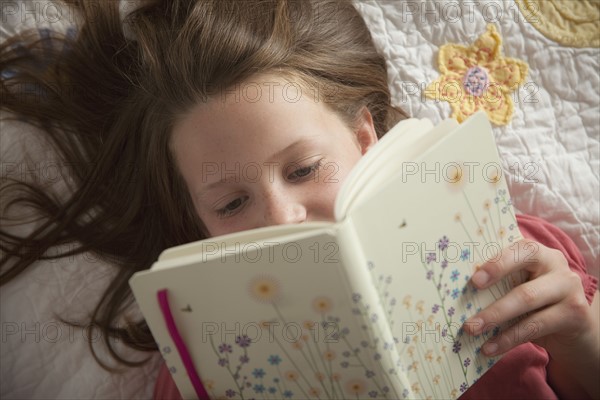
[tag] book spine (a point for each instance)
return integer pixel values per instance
(368, 303)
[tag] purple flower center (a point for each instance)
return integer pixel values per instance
(476, 81)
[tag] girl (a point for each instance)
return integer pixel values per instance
(286, 84)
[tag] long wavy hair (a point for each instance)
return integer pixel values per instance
(109, 101)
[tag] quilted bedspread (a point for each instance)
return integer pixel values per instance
(549, 146)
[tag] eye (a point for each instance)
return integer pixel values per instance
(304, 172)
(232, 207)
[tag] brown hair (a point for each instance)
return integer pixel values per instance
(130, 202)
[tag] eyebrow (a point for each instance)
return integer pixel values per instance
(298, 143)
(235, 176)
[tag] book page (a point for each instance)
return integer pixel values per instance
(210, 248)
(391, 160)
(399, 137)
(424, 233)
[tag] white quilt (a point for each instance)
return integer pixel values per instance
(550, 154)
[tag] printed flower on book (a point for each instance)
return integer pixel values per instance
(478, 77)
(356, 386)
(265, 289)
(322, 304)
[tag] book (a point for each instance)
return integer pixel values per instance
(370, 306)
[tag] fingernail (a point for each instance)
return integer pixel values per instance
(476, 325)
(480, 278)
(490, 348)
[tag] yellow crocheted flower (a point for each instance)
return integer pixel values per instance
(477, 78)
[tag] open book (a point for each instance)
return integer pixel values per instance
(371, 306)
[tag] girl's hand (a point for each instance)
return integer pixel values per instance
(555, 312)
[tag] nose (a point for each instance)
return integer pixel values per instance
(282, 207)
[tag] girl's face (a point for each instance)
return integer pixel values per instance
(266, 153)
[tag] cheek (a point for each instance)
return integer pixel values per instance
(208, 223)
(218, 227)
(212, 223)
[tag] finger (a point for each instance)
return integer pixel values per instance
(525, 255)
(522, 299)
(531, 328)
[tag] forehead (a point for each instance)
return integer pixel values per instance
(251, 119)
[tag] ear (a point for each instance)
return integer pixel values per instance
(365, 130)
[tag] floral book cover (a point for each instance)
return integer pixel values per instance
(370, 307)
